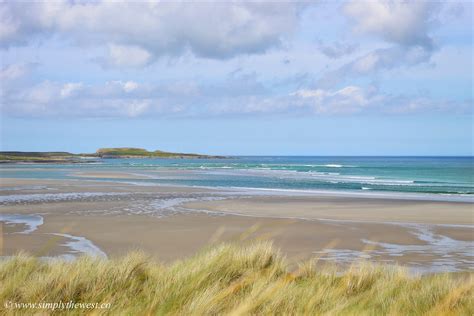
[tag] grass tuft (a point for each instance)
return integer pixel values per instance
(230, 279)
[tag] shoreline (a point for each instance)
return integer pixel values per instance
(118, 217)
(361, 193)
(123, 176)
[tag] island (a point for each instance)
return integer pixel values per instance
(102, 153)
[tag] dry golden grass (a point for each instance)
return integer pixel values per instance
(230, 279)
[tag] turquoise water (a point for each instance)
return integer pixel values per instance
(434, 175)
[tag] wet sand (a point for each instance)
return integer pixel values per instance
(180, 235)
(348, 209)
(173, 222)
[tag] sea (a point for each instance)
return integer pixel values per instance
(437, 178)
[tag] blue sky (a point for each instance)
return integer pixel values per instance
(268, 78)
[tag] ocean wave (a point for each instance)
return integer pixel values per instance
(423, 196)
(317, 178)
(332, 165)
(243, 166)
(323, 177)
(319, 173)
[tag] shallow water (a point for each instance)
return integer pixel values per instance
(77, 245)
(446, 254)
(443, 177)
(31, 221)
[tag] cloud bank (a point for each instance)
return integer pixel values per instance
(253, 37)
(138, 32)
(238, 95)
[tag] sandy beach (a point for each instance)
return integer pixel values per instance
(345, 209)
(113, 218)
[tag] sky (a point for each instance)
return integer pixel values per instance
(238, 78)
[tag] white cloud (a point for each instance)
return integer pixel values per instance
(127, 56)
(405, 23)
(350, 99)
(114, 99)
(13, 71)
(69, 89)
(41, 93)
(376, 61)
(136, 32)
(129, 86)
(137, 107)
(356, 99)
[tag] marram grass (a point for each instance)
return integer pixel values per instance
(233, 280)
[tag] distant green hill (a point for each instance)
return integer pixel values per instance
(143, 153)
(44, 154)
(22, 156)
(66, 157)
